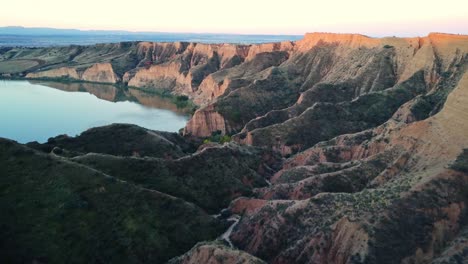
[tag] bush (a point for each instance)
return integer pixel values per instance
(182, 98)
(218, 138)
(181, 101)
(461, 164)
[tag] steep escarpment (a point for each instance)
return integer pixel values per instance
(336, 68)
(184, 72)
(100, 72)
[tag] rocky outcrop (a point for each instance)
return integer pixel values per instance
(285, 46)
(213, 253)
(100, 72)
(185, 69)
(204, 123)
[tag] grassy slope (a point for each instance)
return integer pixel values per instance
(210, 179)
(56, 211)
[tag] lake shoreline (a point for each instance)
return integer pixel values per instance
(53, 110)
(183, 102)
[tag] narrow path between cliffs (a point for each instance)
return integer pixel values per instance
(227, 234)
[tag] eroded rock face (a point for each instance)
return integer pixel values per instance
(334, 68)
(214, 253)
(161, 76)
(406, 211)
(100, 72)
(204, 123)
(184, 70)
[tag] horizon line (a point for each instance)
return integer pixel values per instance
(84, 30)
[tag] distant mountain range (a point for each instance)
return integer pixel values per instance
(18, 30)
(41, 37)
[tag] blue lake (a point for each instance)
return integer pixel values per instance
(37, 111)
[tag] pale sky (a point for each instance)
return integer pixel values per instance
(370, 17)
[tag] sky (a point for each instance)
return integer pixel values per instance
(370, 17)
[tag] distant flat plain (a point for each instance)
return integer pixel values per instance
(9, 40)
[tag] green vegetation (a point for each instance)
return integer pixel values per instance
(217, 137)
(61, 79)
(57, 211)
(421, 108)
(162, 161)
(133, 140)
(16, 66)
(431, 103)
(326, 120)
(191, 177)
(242, 105)
(182, 101)
(461, 163)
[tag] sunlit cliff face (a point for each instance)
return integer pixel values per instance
(398, 17)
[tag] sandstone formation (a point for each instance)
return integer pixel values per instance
(100, 72)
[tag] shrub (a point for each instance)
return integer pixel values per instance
(182, 98)
(461, 163)
(218, 138)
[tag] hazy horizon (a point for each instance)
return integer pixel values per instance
(297, 17)
(144, 32)
(214, 33)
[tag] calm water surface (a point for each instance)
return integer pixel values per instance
(36, 111)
